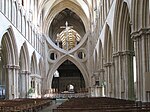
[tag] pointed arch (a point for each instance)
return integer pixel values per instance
(34, 64)
(108, 45)
(10, 46)
(30, 34)
(9, 57)
(61, 6)
(123, 51)
(122, 28)
(24, 28)
(28, 31)
(14, 13)
(140, 14)
(108, 51)
(2, 5)
(73, 60)
(10, 9)
(7, 8)
(24, 57)
(23, 71)
(19, 20)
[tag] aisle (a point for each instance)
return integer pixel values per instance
(54, 105)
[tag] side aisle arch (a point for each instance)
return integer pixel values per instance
(35, 78)
(108, 62)
(34, 64)
(123, 52)
(23, 82)
(10, 63)
(141, 35)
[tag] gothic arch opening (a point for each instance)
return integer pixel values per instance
(68, 78)
(108, 52)
(140, 24)
(34, 64)
(123, 52)
(9, 60)
(34, 83)
(66, 29)
(23, 71)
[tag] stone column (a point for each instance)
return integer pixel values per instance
(101, 76)
(39, 88)
(42, 87)
(11, 78)
(128, 75)
(36, 89)
(92, 80)
(117, 73)
(1, 69)
(108, 79)
(92, 90)
(15, 72)
(101, 80)
(25, 83)
(123, 69)
(142, 54)
(96, 78)
(101, 87)
(98, 83)
(9, 83)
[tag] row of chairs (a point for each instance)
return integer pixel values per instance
(102, 104)
(24, 105)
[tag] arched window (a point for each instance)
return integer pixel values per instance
(14, 13)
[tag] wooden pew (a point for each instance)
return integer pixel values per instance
(102, 104)
(23, 105)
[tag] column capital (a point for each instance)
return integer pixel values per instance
(108, 64)
(10, 66)
(122, 53)
(117, 54)
(139, 33)
(129, 52)
(101, 70)
(25, 72)
(95, 73)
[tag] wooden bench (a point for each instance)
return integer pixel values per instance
(102, 104)
(24, 105)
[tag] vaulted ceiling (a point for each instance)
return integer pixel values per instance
(60, 19)
(55, 12)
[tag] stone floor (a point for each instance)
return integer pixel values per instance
(54, 105)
